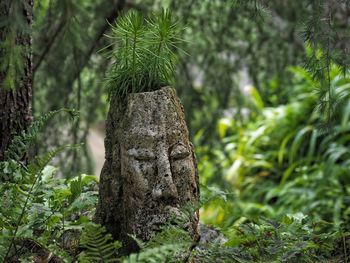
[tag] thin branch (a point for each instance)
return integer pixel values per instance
(109, 19)
(48, 47)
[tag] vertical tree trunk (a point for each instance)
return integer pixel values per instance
(15, 102)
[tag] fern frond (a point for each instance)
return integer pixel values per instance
(168, 235)
(98, 244)
(35, 170)
(157, 254)
(21, 143)
(40, 162)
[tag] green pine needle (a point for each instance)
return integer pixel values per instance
(144, 54)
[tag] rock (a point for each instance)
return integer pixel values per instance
(211, 235)
(150, 171)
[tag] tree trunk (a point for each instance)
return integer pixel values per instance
(150, 172)
(15, 102)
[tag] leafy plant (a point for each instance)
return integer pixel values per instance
(98, 244)
(163, 253)
(20, 143)
(285, 161)
(36, 208)
(293, 239)
(144, 54)
(100, 247)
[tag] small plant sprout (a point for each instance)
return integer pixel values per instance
(144, 53)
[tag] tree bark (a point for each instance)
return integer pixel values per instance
(16, 103)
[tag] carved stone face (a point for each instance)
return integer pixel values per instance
(158, 168)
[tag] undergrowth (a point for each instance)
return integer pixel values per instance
(47, 218)
(285, 171)
(284, 160)
(286, 196)
(36, 207)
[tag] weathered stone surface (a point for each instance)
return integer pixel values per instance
(150, 169)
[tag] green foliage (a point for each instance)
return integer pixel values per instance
(39, 209)
(294, 239)
(36, 207)
(164, 253)
(98, 244)
(323, 30)
(281, 147)
(42, 208)
(144, 54)
(224, 38)
(20, 143)
(284, 161)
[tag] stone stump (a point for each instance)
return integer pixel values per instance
(150, 171)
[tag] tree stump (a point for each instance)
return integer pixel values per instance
(150, 171)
